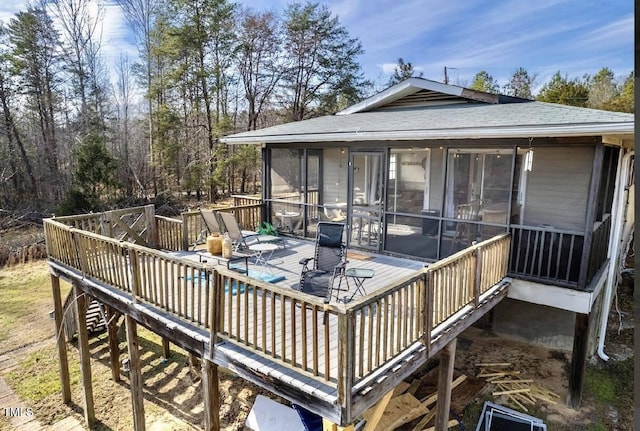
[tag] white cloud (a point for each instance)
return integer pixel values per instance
(8, 9)
(117, 38)
(388, 68)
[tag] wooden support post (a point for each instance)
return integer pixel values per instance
(114, 345)
(166, 351)
(327, 425)
(445, 378)
(578, 360)
(194, 365)
(346, 361)
(211, 395)
(61, 340)
(85, 357)
(135, 374)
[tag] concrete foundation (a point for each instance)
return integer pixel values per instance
(536, 324)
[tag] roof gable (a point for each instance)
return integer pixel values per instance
(414, 92)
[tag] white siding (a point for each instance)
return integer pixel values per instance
(558, 187)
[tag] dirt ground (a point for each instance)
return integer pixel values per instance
(173, 398)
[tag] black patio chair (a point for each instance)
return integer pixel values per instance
(328, 263)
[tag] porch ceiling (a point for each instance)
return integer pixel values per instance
(457, 121)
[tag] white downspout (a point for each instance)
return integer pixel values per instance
(617, 218)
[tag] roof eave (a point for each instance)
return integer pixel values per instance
(466, 133)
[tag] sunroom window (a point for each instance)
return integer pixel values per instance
(479, 180)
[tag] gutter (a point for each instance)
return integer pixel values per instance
(566, 130)
(615, 241)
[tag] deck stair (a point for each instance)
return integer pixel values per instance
(96, 320)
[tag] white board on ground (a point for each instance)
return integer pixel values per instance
(269, 415)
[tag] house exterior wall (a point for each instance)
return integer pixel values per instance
(544, 325)
(558, 187)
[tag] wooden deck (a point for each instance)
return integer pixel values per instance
(335, 359)
(285, 262)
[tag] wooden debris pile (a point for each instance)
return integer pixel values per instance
(412, 406)
(517, 390)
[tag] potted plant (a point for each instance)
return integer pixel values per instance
(266, 228)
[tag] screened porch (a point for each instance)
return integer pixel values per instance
(429, 202)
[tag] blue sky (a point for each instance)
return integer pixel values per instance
(543, 36)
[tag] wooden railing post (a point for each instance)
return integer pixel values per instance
(185, 232)
(136, 289)
(346, 365)
(150, 224)
(80, 251)
(428, 308)
(478, 277)
(215, 315)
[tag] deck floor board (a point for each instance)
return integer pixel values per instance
(286, 263)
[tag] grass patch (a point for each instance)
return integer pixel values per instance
(38, 376)
(601, 386)
(610, 387)
(610, 383)
(24, 290)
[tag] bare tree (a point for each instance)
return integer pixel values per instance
(141, 15)
(123, 95)
(259, 60)
(80, 26)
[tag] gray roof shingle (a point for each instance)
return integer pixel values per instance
(473, 120)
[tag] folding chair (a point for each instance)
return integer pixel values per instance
(211, 226)
(242, 239)
(329, 261)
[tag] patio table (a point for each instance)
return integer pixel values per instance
(235, 257)
(359, 276)
(261, 249)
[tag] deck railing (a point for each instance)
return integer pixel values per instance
(171, 234)
(339, 345)
(178, 286)
(549, 255)
(248, 216)
(242, 200)
(129, 224)
(281, 324)
(292, 328)
(546, 254)
(421, 306)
